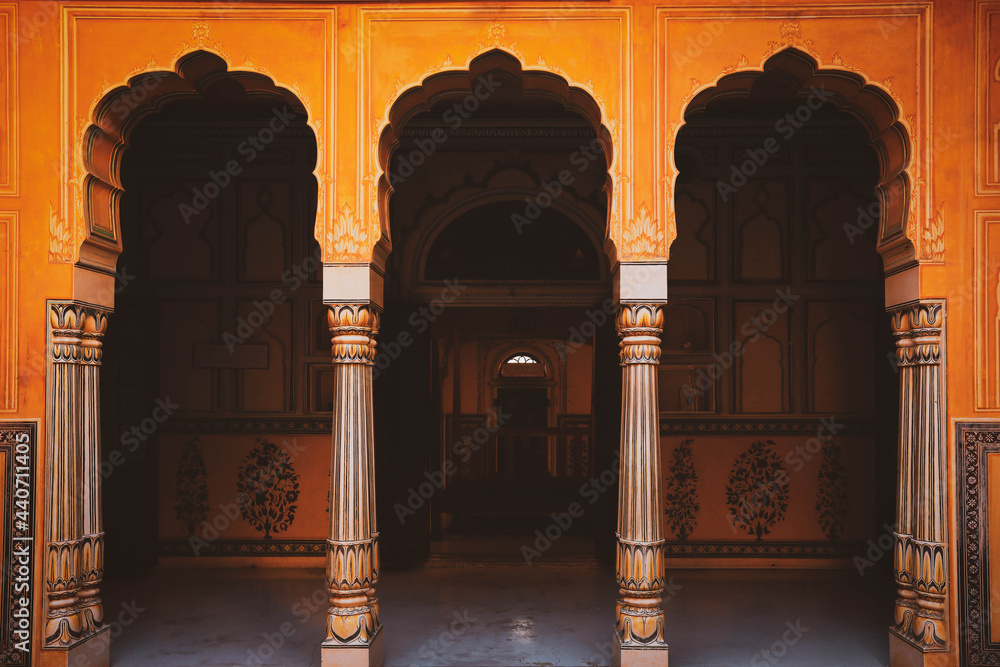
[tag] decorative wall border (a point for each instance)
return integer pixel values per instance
(763, 549)
(974, 441)
(262, 425)
(708, 426)
(713, 549)
(9, 126)
(19, 447)
(246, 548)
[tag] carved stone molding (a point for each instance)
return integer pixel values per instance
(74, 550)
(639, 620)
(920, 539)
(639, 327)
(917, 331)
(353, 328)
(352, 548)
(353, 571)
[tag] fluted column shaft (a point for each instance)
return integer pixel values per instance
(74, 549)
(639, 621)
(921, 564)
(352, 547)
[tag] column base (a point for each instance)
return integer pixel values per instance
(904, 654)
(369, 655)
(94, 651)
(631, 656)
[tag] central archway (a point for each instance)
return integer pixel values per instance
(464, 91)
(477, 167)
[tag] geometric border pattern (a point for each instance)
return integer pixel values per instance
(764, 549)
(974, 441)
(228, 425)
(708, 426)
(19, 442)
(677, 549)
(246, 548)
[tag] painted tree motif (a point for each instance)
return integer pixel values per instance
(681, 497)
(267, 488)
(192, 487)
(757, 490)
(831, 495)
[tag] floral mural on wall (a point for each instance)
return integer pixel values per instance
(192, 487)
(831, 495)
(681, 498)
(267, 488)
(757, 489)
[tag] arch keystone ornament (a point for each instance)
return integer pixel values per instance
(639, 620)
(353, 628)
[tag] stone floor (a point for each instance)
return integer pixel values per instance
(499, 616)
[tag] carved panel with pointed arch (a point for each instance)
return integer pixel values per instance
(888, 95)
(161, 54)
(445, 44)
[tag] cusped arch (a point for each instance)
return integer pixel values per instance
(454, 85)
(869, 104)
(119, 112)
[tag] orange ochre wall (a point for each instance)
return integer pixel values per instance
(642, 61)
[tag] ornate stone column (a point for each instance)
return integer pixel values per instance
(639, 622)
(353, 629)
(921, 562)
(74, 548)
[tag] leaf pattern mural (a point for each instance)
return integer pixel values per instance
(831, 495)
(192, 487)
(757, 490)
(681, 498)
(267, 488)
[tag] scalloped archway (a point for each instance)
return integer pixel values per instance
(868, 103)
(116, 116)
(454, 85)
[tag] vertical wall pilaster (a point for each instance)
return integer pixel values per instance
(921, 565)
(353, 625)
(74, 549)
(639, 622)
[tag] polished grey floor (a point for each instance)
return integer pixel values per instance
(499, 616)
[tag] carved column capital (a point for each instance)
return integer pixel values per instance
(353, 328)
(639, 327)
(917, 331)
(77, 330)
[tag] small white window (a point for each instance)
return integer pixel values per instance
(521, 359)
(522, 365)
